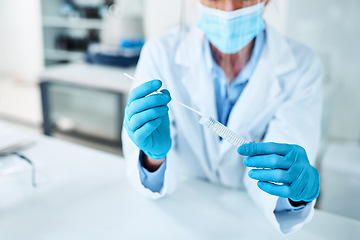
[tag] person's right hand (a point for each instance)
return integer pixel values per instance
(147, 120)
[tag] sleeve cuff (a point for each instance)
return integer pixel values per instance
(283, 205)
(153, 181)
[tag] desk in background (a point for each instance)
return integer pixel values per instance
(86, 196)
(86, 99)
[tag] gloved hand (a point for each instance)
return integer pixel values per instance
(285, 164)
(147, 120)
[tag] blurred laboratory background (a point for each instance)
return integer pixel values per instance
(62, 65)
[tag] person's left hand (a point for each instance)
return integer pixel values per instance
(282, 170)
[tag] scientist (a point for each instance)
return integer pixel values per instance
(263, 86)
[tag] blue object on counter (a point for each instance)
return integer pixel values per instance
(125, 55)
(132, 44)
(111, 60)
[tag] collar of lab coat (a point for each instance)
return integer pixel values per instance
(190, 52)
(262, 89)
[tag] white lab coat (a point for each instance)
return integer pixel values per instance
(281, 103)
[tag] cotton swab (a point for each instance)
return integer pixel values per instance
(176, 101)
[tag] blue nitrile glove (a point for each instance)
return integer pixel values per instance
(285, 164)
(147, 120)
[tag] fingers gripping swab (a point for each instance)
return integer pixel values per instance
(176, 101)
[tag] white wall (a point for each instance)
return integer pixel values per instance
(331, 28)
(276, 14)
(160, 15)
(21, 40)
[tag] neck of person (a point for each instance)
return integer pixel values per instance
(232, 64)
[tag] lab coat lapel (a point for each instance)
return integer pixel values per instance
(199, 84)
(196, 79)
(262, 90)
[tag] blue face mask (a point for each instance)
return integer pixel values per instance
(231, 31)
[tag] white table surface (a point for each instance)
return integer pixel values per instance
(88, 197)
(90, 75)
